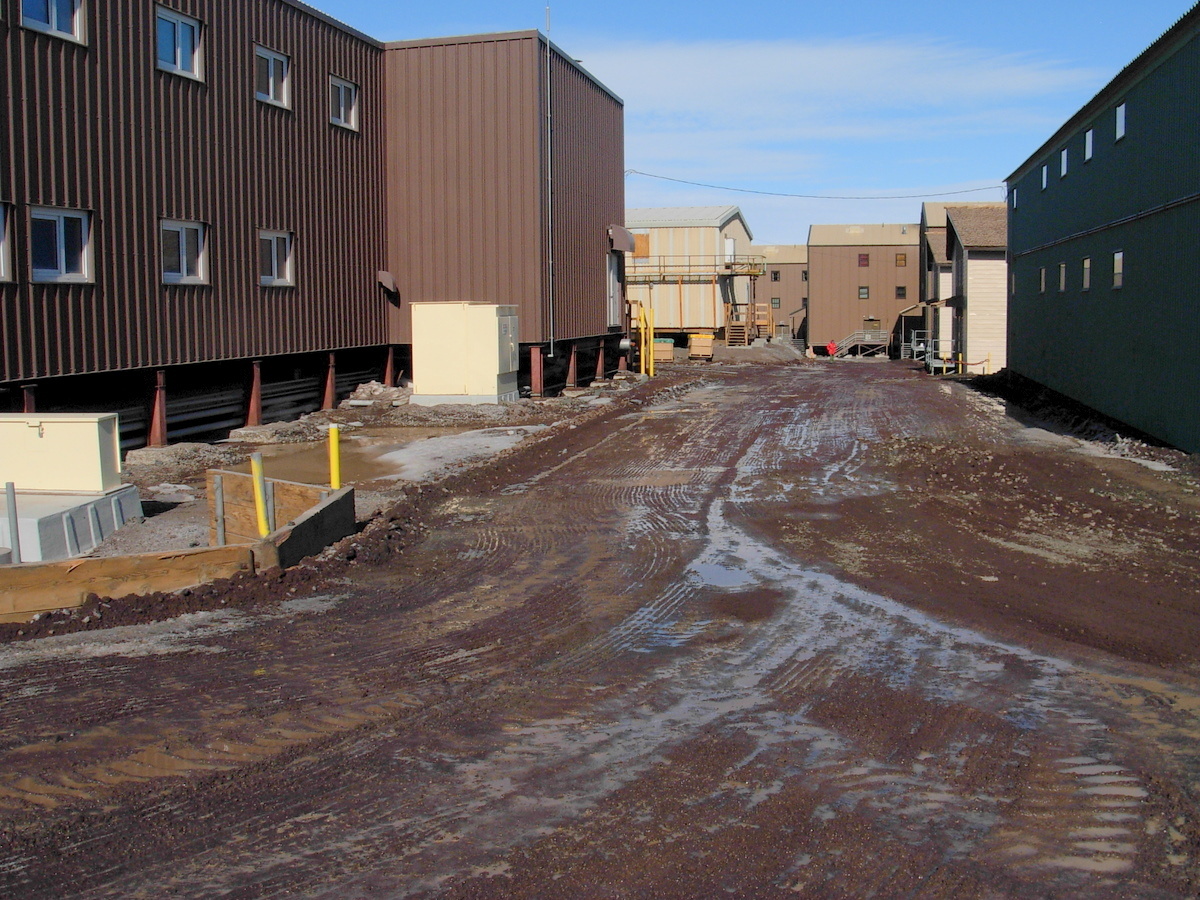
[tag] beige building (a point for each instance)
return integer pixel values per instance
(693, 266)
(860, 279)
(784, 286)
(977, 242)
(937, 284)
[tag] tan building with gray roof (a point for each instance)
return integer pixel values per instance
(693, 267)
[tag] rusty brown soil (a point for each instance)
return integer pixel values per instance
(830, 630)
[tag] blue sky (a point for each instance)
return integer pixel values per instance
(819, 97)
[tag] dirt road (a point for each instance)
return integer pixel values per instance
(823, 630)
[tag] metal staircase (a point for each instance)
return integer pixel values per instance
(867, 343)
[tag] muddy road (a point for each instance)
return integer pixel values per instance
(821, 630)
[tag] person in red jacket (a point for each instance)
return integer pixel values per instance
(831, 348)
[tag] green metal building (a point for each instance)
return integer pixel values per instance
(1104, 247)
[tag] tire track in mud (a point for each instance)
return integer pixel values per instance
(581, 669)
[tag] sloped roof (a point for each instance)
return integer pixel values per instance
(684, 217)
(864, 235)
(781, 253)
(1170, 41)
(979, 227)
(933, 214)
(936, 239)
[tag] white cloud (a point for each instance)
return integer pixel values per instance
(870, 115)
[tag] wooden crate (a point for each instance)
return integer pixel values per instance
(700, 346)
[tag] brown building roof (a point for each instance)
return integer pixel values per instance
(980, 227)
(863, 235)
(781, 254)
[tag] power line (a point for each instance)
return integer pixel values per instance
(720, 187)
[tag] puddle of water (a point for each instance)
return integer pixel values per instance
(362, 455)
(717, 575)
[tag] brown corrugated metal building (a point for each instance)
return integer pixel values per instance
(784, 284)
(860, 278)
(512, 206)
(198, 199)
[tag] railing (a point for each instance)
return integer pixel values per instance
(879, 340)
(671, 268)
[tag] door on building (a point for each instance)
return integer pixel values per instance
(871, 324)
(616, 294)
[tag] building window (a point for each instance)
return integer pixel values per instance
(59, 17)
(1045, 176)
(1062, 163)
(901, 292)
(804, 275)
(774, 274)
(1014, 198)
(1086, 282)
(271, 75)
(184, 252)
(1062, 277)
(275, 259)
(60, 245)
(1120, 122)
(1089, 138)
(1119, 268)
(864, 260)
(343, 103)
(5, 243)
(901, 260)
(1042, 280)
(864, 293)
(774, 303)
(178, 43)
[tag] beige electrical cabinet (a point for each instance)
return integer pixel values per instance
(67, 452)
(464, 352)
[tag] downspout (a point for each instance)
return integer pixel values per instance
(550, 182)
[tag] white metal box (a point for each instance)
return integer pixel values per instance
(464, 352)
(68, 452)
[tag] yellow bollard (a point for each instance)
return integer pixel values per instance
(960, 364)
(650, 329)
(335, 457)
(260, 494)
(642, 340)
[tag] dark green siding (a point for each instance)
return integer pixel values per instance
(1127, 352)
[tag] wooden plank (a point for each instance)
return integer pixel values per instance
(38, 587)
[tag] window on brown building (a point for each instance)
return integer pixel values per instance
(901, 260)
(901, 292)
(774, 274)
(864, 293)
(864, 260)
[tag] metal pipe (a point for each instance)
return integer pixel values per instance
(14, 534)
(550, 182)
(219, 508)
(260, 494)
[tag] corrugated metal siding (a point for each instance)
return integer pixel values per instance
(468, 172)
(589, 195)
(98, 127)
(834, 310)
(1124, 352)
(464, 194)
